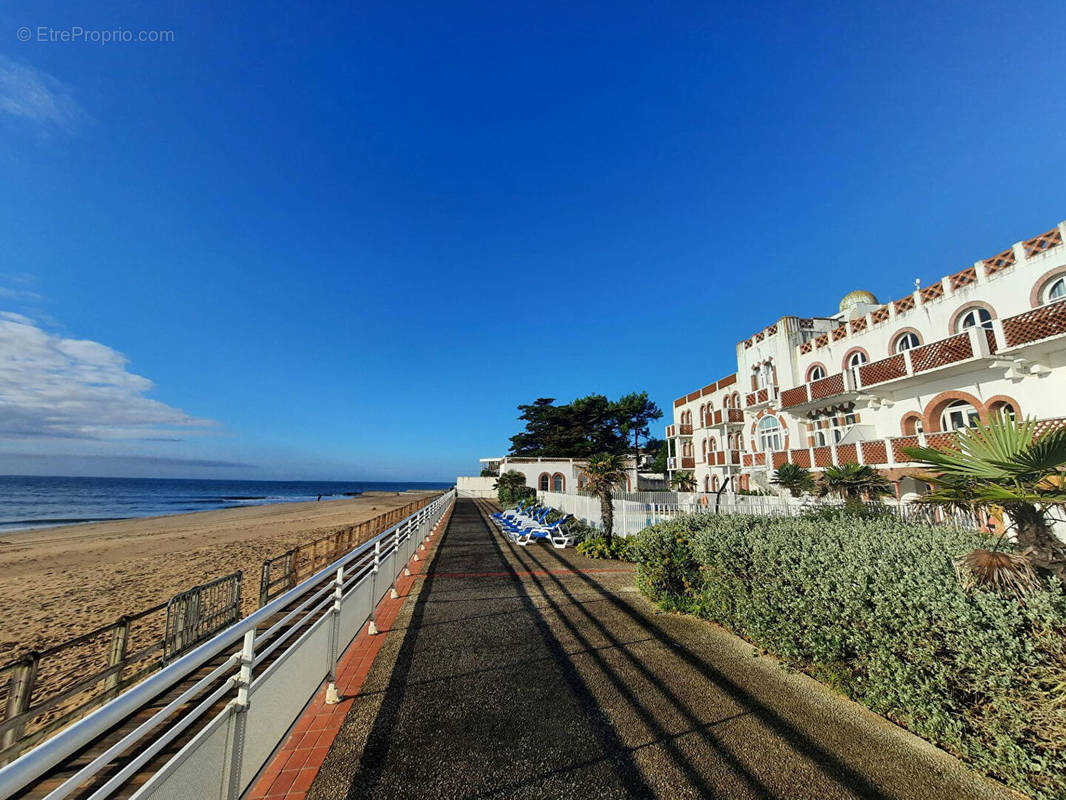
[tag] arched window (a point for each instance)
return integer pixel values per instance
(558, 482)
(911, 424)
(736, 399)
(769, 434)
(712, 444)
(714, 483)
(907, 341)
(819, 438)
(974, 318)
(544, 483)
(1003, 408)
(856, 359)
(1055, 291)
(959, 414)
(816, 373)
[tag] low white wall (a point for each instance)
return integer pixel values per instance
(470, 486)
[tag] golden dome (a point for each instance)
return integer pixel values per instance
(852, 299)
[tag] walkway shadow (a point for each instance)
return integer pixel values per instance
(827, 762)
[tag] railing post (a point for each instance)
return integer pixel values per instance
(239, 717)
(372, 629)
(395, 549)
(19, 694)
(120, 637)
(264, 584)
(332, 696)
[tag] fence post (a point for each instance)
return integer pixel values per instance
(19, 693)
(120, 637)
(372, 629)
(240, 716)
(395, 549)
(332, 696)
(264, 583)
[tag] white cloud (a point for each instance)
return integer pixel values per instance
(53, 387)
(29, 94)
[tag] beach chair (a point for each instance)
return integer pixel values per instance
(517, 511)
(554, 533)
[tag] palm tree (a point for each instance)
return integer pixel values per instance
(683, 482)
(603, 474)
(852, 481)
(793, 477)
(1003, 465)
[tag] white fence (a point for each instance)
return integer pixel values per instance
(635, 511)
(283, 653)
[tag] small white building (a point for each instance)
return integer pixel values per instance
(565, 475)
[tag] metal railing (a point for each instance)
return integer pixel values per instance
(199, 612)
(270, 664)
(281, 573)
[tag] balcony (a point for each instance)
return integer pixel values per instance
(1037, 325)
(684, 430)
(683, 462)
(724, 458)
(725, 416)
(974, 343)
(761, 397)
(678, 430)
(879, 452)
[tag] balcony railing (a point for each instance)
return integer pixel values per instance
(684, 430)
(761, 397)
(955, 349)
(879, 452)
(727, 416)
(724, 458)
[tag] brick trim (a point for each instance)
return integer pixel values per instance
(953, 325)
(899, 334)
(935, 407)
(850, 353)
(1002, 398)
(1041, 284)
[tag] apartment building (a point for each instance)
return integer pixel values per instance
(864, 383)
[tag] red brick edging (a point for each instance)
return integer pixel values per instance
(294, 766)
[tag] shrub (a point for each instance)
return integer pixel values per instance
(599, 547)
(667, 570)
(873, 607)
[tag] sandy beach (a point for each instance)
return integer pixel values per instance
(56, 583)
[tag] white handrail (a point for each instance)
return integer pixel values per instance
(36, 762)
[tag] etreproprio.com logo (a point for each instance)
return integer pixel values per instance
(76, 34)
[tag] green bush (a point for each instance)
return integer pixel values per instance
(668, 572)
(873, 608)
(597, 547)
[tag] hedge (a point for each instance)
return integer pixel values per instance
(874, 609)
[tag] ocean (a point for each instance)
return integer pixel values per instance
(36, 502)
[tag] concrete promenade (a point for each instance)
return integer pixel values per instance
(536, 673)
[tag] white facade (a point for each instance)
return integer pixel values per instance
(564, 475)
(861, 384)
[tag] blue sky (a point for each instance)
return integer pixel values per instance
(345, 240)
